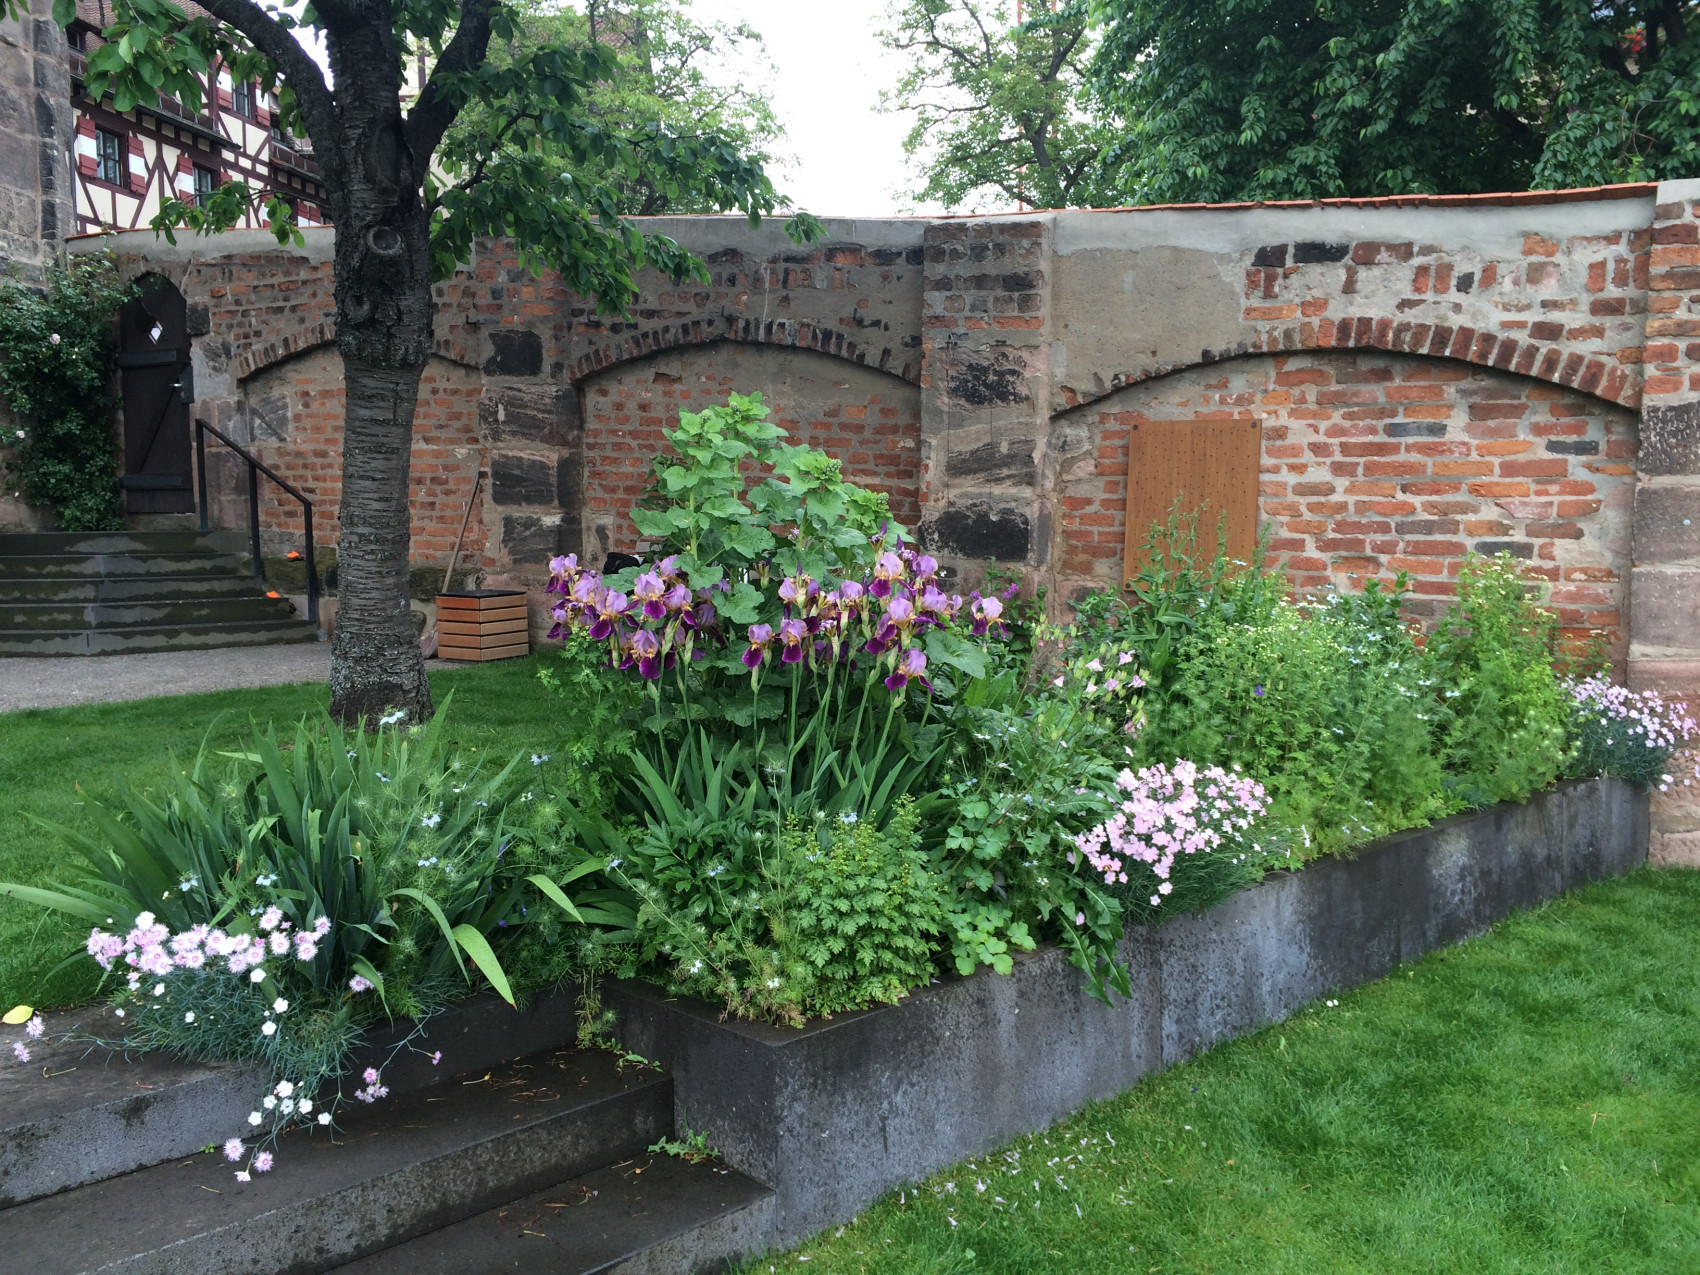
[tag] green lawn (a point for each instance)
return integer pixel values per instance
(1529, 1101)
(50, 758)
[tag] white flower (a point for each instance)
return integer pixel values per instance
(159, 989)
(244, 1177)
(268, 1028)
(304, 1106)
(119, 1012)
(254, 1118)
(256, 976)
(269, 1101)
(324, 1117)
(189, 1017)
(281, 1006)
(284, 1089)
(390, 719)
(20, 433)
(54, 338)
(430, 821)
(286, 1106)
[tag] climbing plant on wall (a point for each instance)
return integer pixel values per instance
(56, 377)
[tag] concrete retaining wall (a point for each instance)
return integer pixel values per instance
(833, 1115)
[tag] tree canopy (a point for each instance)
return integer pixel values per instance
(1000, 106)
(671, 73)
(1299, 99)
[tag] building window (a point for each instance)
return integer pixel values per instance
(109, 157)
(242, 97)
(206, 181)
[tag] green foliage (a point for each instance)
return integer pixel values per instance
(673, 76)
(1324, 703)
(857, 911)
(1506, 728)
(56, 377)
(1002, 112)
(1288, 99)
(388, 836)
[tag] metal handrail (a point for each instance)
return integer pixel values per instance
(255, 469)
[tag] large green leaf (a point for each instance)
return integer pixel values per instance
(479, 950)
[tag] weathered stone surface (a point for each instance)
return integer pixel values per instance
(1001, 460)
(522, 480)
(547, 414)
(514, 352)
(1670, 438)
(1667, 523)
(530, 539)
(977, 531)
(1666, 605)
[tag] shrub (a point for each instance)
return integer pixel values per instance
(1322, 701)
(1504, 730)
(856, 911)
(56, 375)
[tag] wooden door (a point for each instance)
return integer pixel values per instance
(1210, 466)
(153, 355)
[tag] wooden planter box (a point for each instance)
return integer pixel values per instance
(482, 624)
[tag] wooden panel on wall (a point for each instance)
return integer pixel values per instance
(1212, 464)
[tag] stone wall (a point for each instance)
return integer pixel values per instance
(1429, 375)
(35, 136)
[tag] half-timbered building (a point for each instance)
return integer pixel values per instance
(129, 163)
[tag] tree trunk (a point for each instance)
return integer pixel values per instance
(383, 318)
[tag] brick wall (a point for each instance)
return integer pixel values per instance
(1375, 463)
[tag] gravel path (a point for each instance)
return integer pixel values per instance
(30, 682)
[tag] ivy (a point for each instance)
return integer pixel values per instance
(56, 377)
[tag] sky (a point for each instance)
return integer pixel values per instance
(826, 68)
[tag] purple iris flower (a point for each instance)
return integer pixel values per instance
(926, 566)
(649, 590)
(678, 597)
(1257, 691)
(761, 636)
(887, 567)
(611, 609)
(668, 567)
(647, 647)
(792, 633)
(912, 665)
(790, 591)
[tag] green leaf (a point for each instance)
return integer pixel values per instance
(554, 893)
(442, 921)
(947, 648)
(478, 948)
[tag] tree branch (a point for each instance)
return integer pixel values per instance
(312, 96)
(435, 110)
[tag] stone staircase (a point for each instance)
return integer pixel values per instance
(536, 1164)
(98, 593)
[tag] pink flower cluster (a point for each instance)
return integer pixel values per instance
(373, 1090)
(1645, 717)
(151, 948)
(881, 615)
(1166, 813)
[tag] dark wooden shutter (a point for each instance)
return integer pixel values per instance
(1211, 465)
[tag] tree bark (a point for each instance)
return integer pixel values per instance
(383, 320)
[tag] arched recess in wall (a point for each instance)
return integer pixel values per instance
(870, 420)
(1374, 462)
(291, 410)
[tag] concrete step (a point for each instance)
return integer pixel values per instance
(181, 637)
(652, 1215)
(128, 588)
(84, 566)
(143, 613)
(16, 544)
(399, 1169)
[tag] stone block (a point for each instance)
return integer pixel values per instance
(522, 480)
(984, 378)
(1667, 523)
(1674, 850)
(976, 530)
(1670, 438)
(530, 539)
(1003, 461)
(514, 352)
(547, 414)
(1664, 608)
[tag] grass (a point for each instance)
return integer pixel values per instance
(51, 759)
(1528, 1101)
